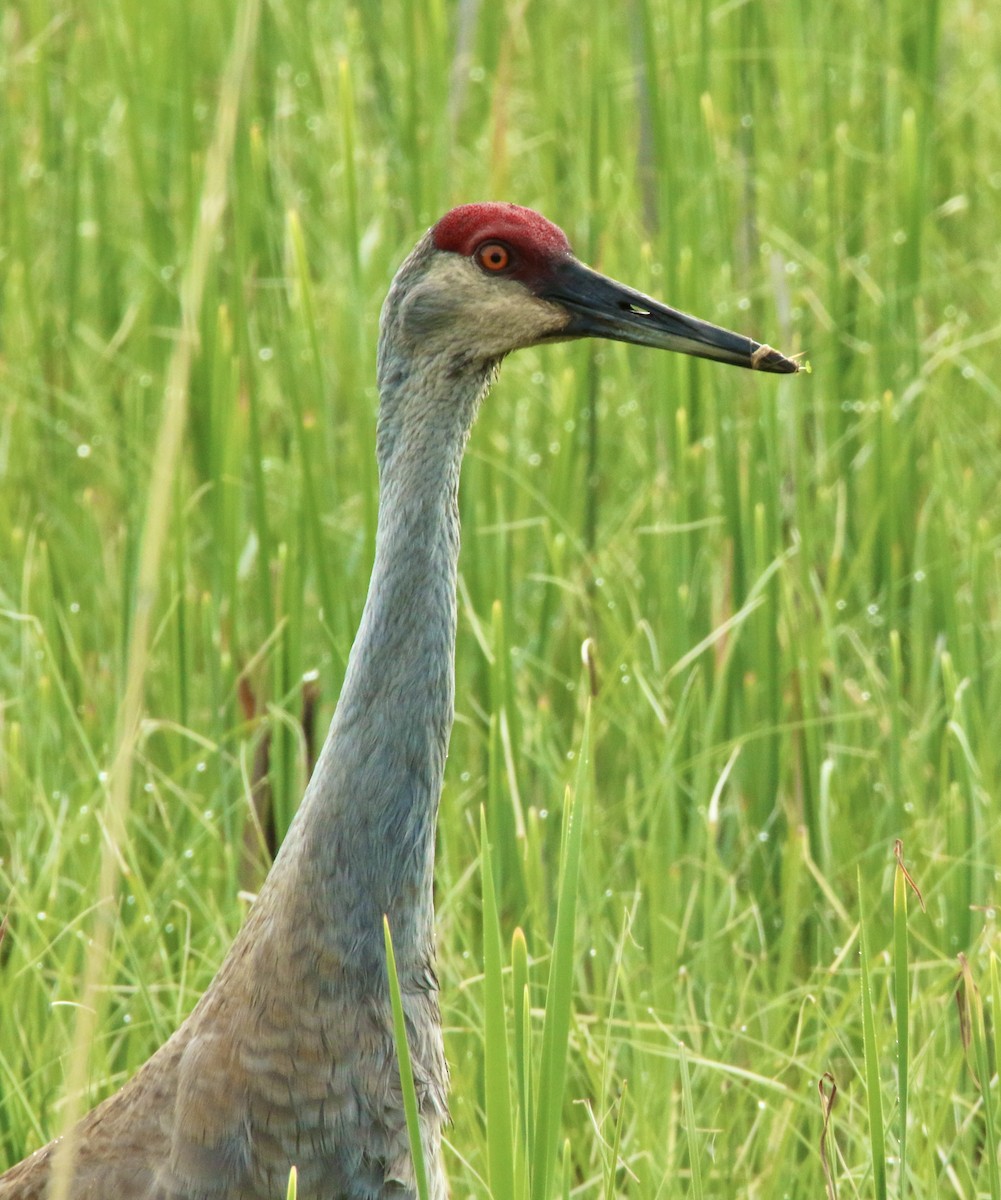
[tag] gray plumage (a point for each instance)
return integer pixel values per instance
(289, 1057)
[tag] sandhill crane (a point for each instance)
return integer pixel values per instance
(289, 1056)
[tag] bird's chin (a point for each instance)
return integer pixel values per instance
(560, 335)
(558, 329)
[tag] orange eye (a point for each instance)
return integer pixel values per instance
(493, 257)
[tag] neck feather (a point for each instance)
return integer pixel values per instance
(368, 818)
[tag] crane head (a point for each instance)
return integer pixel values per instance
(498, 277)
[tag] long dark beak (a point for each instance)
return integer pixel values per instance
(600, 307)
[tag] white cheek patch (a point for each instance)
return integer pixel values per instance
(514, 318)
(457, 307)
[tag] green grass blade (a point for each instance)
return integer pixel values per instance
(616, 1148)
(996, 1011)
(559, 993)
(567, 1171)
(901, 992)
(315, 463)
(974, 1009)
(410, 1106)
(496, 1074)
(521, 998)
(691, 1131)
(874, 1094)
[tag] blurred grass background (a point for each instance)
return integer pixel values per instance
(791, 585)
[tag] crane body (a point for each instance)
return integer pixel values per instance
(288, 1058)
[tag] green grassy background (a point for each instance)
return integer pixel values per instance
(790, 584)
